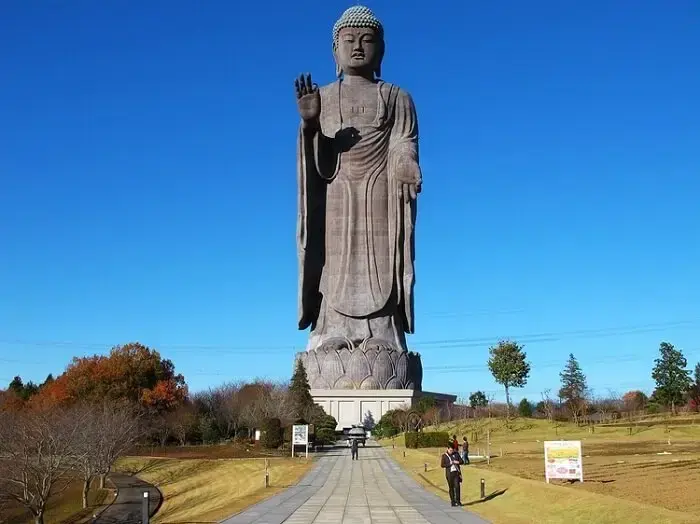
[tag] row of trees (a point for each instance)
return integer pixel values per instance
(233, 411)
(675, 385)
(43, 451)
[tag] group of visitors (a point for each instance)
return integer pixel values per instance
(455, 456)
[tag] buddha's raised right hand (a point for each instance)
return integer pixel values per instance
(308, 100)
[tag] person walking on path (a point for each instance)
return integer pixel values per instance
(451, 462)
(354, 449)
(455, 443)
(465, 450)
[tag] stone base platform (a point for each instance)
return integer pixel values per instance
(351, 406)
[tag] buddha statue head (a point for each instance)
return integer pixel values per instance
(358, 43)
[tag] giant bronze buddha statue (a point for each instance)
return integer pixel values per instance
(358, 175)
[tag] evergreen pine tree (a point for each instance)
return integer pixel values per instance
(300, 392)
(574, 389)
(525, 408)
(672, 379)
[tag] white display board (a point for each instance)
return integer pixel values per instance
(300, 437)
(563, 460)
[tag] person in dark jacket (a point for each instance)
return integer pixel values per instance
(450, 462)
(465, 450)
(354, 449)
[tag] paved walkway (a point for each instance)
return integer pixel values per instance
(372, 490)
(126, 509)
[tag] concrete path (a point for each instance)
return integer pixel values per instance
(372, 490)
(126, 509)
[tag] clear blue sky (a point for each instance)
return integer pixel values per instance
(147, 182)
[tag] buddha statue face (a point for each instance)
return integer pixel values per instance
(359, 51)
(358, 43)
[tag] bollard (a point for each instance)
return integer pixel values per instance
(483, 489)
(404, 454)
(425, 467)
(267, 473)
(144, 508)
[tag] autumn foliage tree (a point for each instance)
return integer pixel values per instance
(634, 401)
(132, 372)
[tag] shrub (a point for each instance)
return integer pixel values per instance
(208, 430)
(325, 431)
(426, 439)
(271, 437)
(287, 434)
(386, 427)
(525, 408)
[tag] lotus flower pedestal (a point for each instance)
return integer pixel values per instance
(358, 384)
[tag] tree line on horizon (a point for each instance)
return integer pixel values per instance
(676, 387)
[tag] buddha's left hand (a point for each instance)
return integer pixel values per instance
(409, 179)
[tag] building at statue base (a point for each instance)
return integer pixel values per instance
(352, 406)
(349, 382)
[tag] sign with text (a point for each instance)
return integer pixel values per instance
(300, 435)
(562, 460)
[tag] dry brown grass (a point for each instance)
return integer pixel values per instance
(516, 500)
(650, 474)
(204, 490)
(663, 481)
(216, 451)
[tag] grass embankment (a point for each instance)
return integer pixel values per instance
(625, 477)
(65, 507)
(206, 490)
(216, 451)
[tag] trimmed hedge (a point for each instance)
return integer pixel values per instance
(426, 439)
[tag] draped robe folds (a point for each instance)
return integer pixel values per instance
(355, 234)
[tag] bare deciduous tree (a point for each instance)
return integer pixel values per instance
(182, 422)
(608, 407)
(120, 426)
(36, 457)
(106, 432)
(548, 404)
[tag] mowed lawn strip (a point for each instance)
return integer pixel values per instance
(209, 490)
(517, 500)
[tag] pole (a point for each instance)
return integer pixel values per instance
(144, 508)
(267, 473)
(483, 489)
(488, 446)
(425, 467)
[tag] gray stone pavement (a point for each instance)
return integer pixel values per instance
(372, 490)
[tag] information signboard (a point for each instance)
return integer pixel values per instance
(562, 460)
(300, 437)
